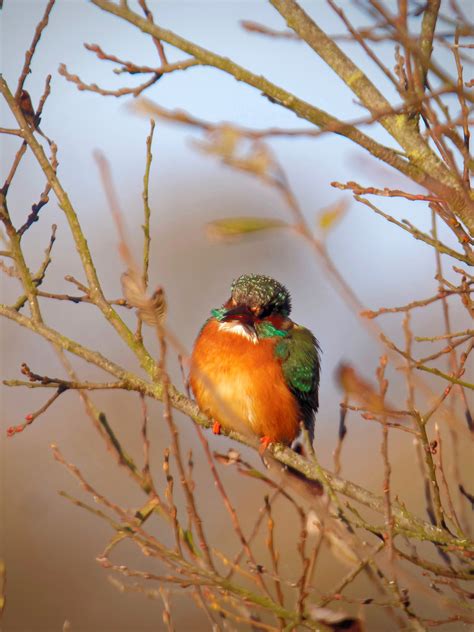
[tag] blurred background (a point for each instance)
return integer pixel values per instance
(49, 545)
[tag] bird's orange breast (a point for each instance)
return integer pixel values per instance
(240, 384)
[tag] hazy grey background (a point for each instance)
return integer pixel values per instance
(49, 545)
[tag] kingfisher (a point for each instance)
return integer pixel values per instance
(253, 369)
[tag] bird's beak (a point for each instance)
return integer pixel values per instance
(240, 313)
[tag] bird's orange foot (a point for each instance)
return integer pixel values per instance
(264, 443)
(216, 427)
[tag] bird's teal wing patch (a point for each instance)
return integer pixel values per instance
(299, 353)
(265, 329)
(218, 313)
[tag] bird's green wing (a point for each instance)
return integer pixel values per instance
(299, 353)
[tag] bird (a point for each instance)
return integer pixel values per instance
(255, 370)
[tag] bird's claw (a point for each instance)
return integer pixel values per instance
(264, 443)
(216, 428)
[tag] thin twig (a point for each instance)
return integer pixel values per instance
(42, 24)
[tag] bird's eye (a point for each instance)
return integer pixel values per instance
(267, 311)
(256, 310)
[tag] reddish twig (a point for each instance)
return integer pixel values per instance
(42, 24)
(93, 87)
(386, 192)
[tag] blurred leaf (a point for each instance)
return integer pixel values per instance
(237, 151)
(235, 227)
(133, 289)
(151, 309)
(155, 311)
(358, 388)
(226, 141)
(222, 141)
(258, 161)
(333, 214)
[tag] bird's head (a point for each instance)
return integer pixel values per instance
(255, 298)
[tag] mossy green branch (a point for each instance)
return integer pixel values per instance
(428, 27)
(450, 378)
(277, 94)
(20, 263)
(298, 20)
(405, 522)
(423, 166)
(146, 205)
(440, 179)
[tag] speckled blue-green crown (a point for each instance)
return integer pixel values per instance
(257, 290)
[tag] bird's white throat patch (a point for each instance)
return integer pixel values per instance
(240, 330)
